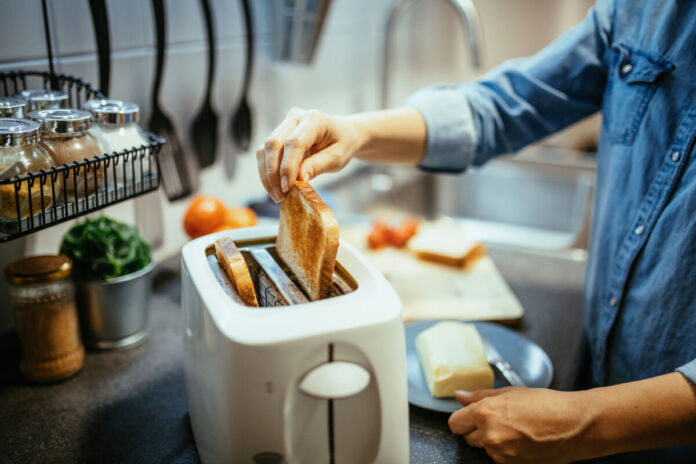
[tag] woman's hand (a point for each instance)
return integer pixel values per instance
(309, 143)
(522, 425)
(304, 145)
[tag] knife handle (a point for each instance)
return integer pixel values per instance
(509, 374)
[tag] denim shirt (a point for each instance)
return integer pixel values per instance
(635, 61)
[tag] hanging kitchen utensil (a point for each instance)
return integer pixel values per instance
(49, 48)
(204, 130)
(297, 26)
(101, 33)
(240, 126)
(179, 171)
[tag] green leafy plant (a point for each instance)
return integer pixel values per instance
(104, 248)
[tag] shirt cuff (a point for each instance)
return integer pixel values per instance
(688, 370)
(451, 139)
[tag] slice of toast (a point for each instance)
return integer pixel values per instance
(308, 239)
(447, 245)
(232, 261)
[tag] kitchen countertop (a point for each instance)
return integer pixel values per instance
(130, 405)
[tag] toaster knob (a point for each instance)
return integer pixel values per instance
(335, 380)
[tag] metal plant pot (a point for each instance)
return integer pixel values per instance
(114, 313)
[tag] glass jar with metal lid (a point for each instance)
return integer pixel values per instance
(18, 156)
(43, 299)
(117, 128)
(12, 107)
(65, 136)
(41, 99)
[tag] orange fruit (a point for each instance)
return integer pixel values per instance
(204, 214)
(239, 216)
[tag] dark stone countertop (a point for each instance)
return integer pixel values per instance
(129, 406)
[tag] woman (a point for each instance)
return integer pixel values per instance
(635, 61)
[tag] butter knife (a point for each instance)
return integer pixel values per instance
(497, 361)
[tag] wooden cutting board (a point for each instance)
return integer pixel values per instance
(433, 291)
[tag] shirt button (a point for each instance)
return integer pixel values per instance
(613, 301)
(639, 230)
(627, 68)
(676, 156)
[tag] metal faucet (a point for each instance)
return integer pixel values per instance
(470, 22)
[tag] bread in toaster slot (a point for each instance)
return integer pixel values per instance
(235, 266)
(274, 282)
(308, 239)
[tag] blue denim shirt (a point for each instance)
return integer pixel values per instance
(635, 61)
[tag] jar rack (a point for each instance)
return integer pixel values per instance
(100, 181)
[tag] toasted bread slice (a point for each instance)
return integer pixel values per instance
(447, 245)
(232, 261)
(308, 239)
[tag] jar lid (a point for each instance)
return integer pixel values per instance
(18, 132)
(44, 98)
(113, 111)
(11, 107)
(38, 269)
(62, 121)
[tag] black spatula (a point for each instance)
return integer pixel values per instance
(101, 32)
(204, 130)
(177, 170)
(241, 120)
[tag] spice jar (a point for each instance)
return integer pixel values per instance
(42, 99)
(43, 300)
(65, 136)
(117, 129)
(12, 107)
(19, 155)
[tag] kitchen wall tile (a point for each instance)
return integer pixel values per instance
(21, 31)
(130, 24)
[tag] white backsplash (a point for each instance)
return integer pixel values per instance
(344, 78)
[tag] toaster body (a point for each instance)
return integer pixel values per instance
(309, 383)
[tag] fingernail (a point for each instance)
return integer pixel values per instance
(277, 194)
(306, 176)
(284, 183)
(462, 393)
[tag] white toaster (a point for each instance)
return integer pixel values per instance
(308, 383)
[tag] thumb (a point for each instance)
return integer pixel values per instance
(327, 160)
(466, 398)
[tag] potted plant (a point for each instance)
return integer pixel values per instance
(113, 273)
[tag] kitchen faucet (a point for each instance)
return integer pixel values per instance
(470, 22)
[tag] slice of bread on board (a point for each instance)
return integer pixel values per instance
(232, 261)
(308, 239)
(447, 245)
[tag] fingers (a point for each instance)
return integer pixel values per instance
(327, 160)
(475, 438)
(466, 398)
(269, 167)
(298, 143)
(461, 422)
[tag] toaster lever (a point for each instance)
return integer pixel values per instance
(335, 380)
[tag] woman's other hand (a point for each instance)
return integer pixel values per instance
(521, 425)
(307, 143)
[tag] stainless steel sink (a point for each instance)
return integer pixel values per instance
(539, 200)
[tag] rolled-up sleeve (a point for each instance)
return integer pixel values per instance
(688, 370)
(520, 101)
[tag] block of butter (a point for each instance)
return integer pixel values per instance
(453, 358)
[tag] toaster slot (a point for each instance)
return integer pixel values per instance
(274, 282)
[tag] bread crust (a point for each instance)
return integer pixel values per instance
(232, 261)
(308, 239)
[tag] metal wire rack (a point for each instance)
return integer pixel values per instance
(38, 200)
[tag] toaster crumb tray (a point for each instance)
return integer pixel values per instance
(274, 283)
